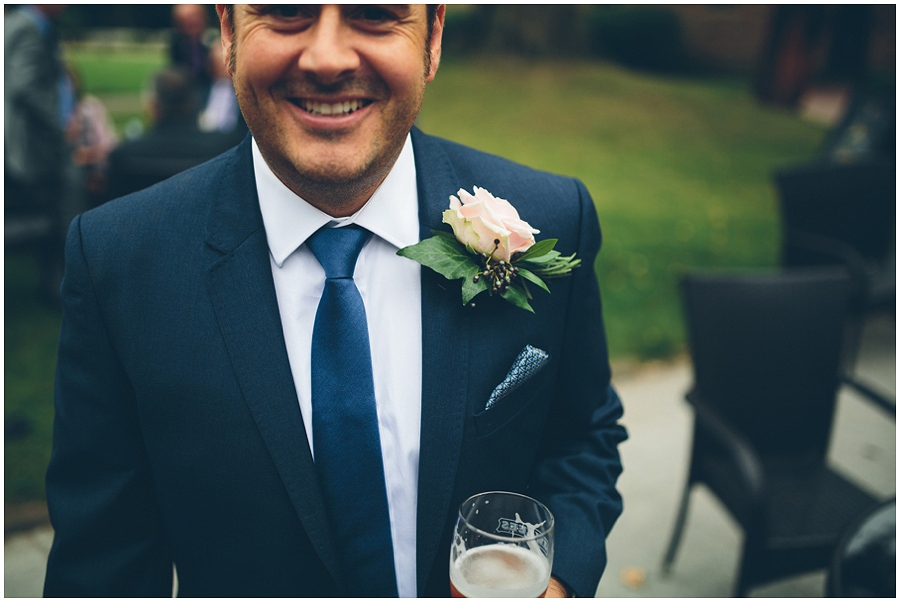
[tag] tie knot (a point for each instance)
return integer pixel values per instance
(336, 249)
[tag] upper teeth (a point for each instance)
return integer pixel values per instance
(340, 108)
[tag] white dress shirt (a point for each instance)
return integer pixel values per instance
(390, 289)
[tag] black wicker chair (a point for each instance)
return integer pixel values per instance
(767, 369)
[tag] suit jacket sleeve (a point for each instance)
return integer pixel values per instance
(109, 540)
(577, 474)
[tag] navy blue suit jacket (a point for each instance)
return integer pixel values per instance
(178, 436)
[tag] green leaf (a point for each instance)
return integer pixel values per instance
(541, 259)
(559, 267)
(446, 257)
(517, 298)
(471, 288)
(526, 290)
(532, 277)
(538, 249)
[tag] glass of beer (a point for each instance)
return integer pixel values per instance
(502, 547)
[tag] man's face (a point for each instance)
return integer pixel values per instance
(331, 91)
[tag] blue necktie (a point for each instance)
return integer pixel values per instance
(345, 423)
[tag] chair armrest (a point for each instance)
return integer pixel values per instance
(832, 247)
(875, 397)
(749, 466)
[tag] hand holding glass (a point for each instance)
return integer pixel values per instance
(502, 547)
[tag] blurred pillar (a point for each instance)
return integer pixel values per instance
(789, 59)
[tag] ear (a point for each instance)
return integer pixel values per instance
(226, 26)
(437, 31)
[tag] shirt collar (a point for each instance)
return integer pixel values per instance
(392, 212)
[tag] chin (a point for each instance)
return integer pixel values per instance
(333, 172)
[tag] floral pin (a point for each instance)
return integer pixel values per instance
(491, 249)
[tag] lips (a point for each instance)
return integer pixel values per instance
(327, 109)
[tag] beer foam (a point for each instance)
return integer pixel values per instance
(500, 570)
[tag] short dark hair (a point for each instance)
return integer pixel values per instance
(431, 11)
(432, 14)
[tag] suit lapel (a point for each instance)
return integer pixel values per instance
(445, 365)
(243, 294)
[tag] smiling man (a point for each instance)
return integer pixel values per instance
(255, 388)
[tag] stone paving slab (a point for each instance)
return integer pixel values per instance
(24, 562)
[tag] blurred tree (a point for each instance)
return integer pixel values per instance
(525, 30)
(640, 37)
(536, 29)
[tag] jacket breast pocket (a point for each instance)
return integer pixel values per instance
(509, 408)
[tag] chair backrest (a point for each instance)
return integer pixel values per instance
(766, 350)
(854, 204)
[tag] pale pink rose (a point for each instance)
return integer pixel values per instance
(480, 220)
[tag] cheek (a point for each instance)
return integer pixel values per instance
(253, 75)
(402, 69)
(259, 64)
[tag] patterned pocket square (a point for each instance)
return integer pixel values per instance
(527, 364)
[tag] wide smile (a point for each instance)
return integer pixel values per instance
(331, 109)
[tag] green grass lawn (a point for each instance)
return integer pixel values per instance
(679, 170)
(117, 78)
(106, 72)
(29, 344)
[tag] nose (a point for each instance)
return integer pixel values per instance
(329, 55)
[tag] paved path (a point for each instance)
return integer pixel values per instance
(655, 459)
(24, 559)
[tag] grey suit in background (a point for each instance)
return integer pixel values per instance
(41, 184)
(32, 132)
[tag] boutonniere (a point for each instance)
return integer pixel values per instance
(491, 249)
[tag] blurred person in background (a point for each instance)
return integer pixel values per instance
(222, 113)
(91, 135)
(38, 99)
(173, 143)
(188, 50)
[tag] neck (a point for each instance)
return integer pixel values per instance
(337, 199)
